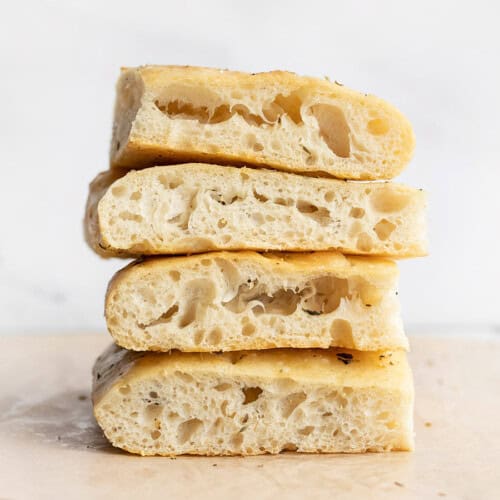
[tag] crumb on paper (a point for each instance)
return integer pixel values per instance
(428, 424)
(82, 397)
(441, 493)
(397, 483)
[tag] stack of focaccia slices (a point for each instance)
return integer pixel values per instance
(262, 313)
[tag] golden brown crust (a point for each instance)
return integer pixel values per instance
(97, 189)
(387, 369)
(332, 261)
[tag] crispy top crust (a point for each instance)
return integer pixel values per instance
(280, 263)
(157, 75)
(334, 366)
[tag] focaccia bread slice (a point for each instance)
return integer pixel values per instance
(254, 402)
(175, 114)
(231, 301)
(196, 208)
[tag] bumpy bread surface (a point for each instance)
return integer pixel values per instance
(174, 114)
(230, 301)
(254, 402)
(195, 208)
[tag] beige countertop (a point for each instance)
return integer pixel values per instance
(50, 446)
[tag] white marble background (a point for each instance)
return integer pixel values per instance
(436, 60)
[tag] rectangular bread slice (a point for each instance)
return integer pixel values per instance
(195, 208)
(254, 402)
(176, 114)
(232, 301)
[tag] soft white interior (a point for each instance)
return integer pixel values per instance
(195, 208)
(216, 303)
(326, 122)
